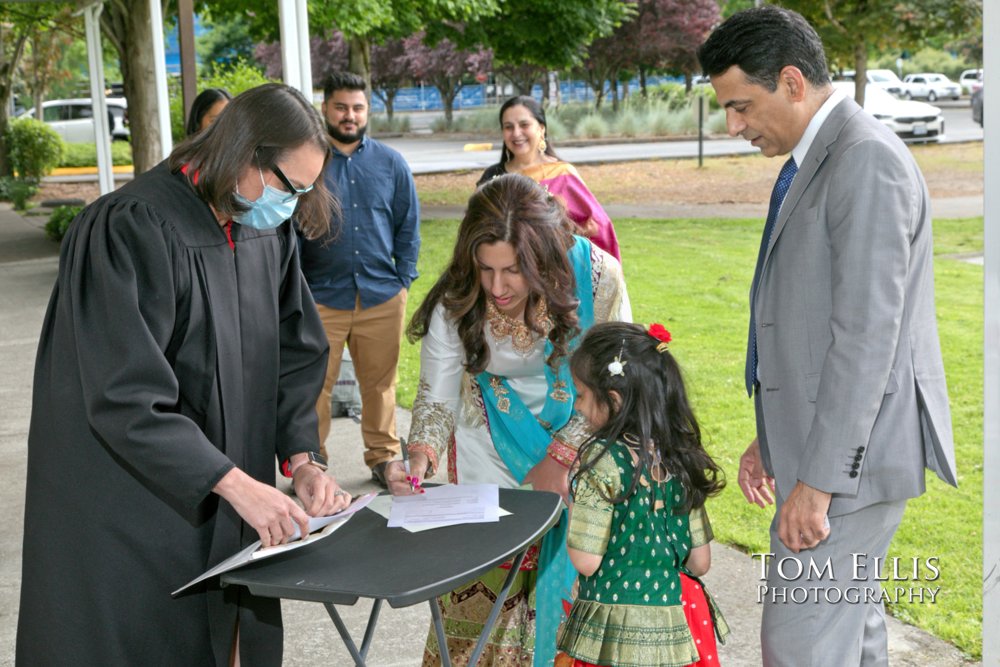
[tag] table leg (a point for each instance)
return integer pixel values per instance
(497, 606)
(439, 630)
(359, 659)
(370, 630)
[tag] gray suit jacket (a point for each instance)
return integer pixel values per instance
(852, 388)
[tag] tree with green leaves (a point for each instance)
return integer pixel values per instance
(550, 35)
(41, 65)
(18, 23)
(852, 30)
(362, 22)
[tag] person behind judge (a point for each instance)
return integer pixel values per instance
(526, 150)
(206, 108)
(361, 272)
(179, 361)
(495, 399)
(843, 360)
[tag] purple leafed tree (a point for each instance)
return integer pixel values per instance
(663, 35)
(327, 55)
(444, 67)
(390, 71)
(670, 32)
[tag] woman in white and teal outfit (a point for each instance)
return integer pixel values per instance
(495, 400)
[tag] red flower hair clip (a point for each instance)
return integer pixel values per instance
(660, 333)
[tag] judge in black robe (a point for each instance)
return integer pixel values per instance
(168, 358)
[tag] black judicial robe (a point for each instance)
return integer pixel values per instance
(165, 359)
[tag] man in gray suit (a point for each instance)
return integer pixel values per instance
(843, 360)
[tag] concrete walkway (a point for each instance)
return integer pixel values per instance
(28, 265)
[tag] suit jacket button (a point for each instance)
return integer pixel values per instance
(861, 450)
(853, 473)
(858, 457)
(855, 466)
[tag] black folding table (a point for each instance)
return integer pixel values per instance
(367, 559)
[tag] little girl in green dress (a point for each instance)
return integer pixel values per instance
(638, 531)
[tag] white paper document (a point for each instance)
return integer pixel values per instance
(319, 527)
(446, 506)
(383, 505)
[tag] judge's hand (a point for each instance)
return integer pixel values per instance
(319, 492)
(549, 475)
(395, 475)
(267, 510)
(757, 486)
(803, 523)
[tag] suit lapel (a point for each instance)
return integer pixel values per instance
(828, 133)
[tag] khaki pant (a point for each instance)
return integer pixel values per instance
(373, 337)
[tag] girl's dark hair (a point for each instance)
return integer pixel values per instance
(516, 210)
(259, 127)
(653, 408)
(206, 100)
(537, 111)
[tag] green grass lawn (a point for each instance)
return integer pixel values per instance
(693, 276)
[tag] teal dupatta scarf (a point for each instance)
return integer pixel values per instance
(522, 441)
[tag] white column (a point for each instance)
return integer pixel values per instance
(160, 73)
(102, 132)
(305, 54)
(288, 24)
(991, 338)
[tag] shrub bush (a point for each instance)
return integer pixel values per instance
(380, 124)
(59, 221)
(85, 155)
(35, 149)
(674, 95)
(592, 127)
(235, 78)
(631, 123)
(18, 191)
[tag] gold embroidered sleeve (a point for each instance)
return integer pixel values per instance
(591, 516)
(701, 528)
(439, 392)
(611, 302)
(572, 435)
(433, 422)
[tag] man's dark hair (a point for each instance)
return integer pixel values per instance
(342, 81)
(761, 41)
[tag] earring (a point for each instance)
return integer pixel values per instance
(542, 145)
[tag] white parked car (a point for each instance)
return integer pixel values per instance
(885, 79)
(74, 119)
(930, 87)
(970, 80)
(917, 121)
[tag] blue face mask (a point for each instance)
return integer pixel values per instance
(271, 209)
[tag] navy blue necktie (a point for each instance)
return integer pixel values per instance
(781, 186)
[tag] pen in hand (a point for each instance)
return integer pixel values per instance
(406, 463)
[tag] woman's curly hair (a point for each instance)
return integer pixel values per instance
(515, 210)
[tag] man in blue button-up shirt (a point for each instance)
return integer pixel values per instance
(359, 276)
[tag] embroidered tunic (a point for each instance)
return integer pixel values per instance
(629, 613)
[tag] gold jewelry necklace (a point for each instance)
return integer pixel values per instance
(521, 337)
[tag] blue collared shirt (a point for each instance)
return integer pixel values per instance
(373, 250)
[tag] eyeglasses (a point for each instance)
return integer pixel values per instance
(293, 191)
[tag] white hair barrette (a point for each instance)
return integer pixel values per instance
(617, 367)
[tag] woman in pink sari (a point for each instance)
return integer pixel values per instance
(526, 151)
